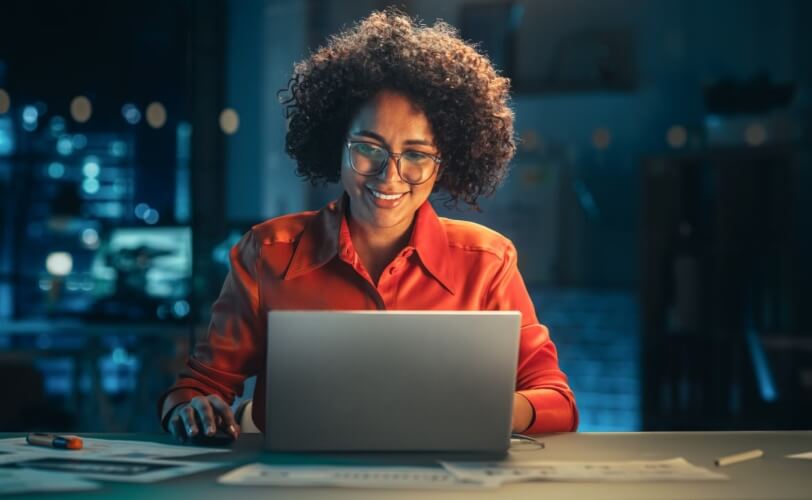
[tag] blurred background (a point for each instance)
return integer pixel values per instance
(660, 198)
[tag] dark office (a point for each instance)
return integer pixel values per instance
(589, 251)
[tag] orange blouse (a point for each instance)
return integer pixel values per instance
(307, 261)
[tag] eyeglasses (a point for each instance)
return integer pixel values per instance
(369, 159)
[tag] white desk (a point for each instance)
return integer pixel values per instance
(773, 477)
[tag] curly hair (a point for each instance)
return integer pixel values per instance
(460, 92)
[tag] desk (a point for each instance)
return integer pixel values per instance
(772, 477)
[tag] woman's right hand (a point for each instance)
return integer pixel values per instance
(203, 415)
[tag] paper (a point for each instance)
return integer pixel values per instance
(803, 456)
(114, 469)
(29, 481)
(498, 473)
(94, 447)
(348, 477)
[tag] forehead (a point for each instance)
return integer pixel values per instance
(392, 114)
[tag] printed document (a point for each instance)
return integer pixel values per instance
(114, 448)
(30, 481)
(498, 473)
(345, 476)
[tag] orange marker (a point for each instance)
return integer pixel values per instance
(54, 441)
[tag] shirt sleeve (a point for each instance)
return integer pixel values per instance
(538, 376)
(231, 351)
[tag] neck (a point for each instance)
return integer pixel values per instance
(376, 240)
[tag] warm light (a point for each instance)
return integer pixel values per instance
(601, 138)
(59, 263)
(677, 136)
(81, 109)
(5, 102)
(156, 115)
(755, 134)
(229, 121)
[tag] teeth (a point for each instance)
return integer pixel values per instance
(386, 196)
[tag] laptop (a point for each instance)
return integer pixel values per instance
(391, 381)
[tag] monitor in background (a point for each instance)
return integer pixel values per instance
(143, 273)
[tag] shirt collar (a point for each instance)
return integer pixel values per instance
(328, 232)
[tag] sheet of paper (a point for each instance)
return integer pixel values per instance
(114, 469)
(93, 447)
(497, 473)
(348, 477)
(30, 481)
(802, 456)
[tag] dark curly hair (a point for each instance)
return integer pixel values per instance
(463, 97)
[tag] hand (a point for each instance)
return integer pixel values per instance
(202, 415)
(522, 413)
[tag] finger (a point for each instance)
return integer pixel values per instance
(176, 428)
(206, 415)
(229, 422)
(187, 414)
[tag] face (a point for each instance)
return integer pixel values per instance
(385, 201)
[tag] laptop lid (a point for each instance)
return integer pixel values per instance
(391, 380)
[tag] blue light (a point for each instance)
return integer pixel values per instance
(120, 355)
(90, 185)
(141, 210)
(79, 141)
(117, 149)
(713, 121)
(181, 309)
(64, 145)
(131, 113)
(57, 125)
(151, 216)
(764, 376)
(30, 115)
(91, 167)
(6, 137)
(56, 170)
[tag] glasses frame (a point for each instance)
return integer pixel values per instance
(385, 162)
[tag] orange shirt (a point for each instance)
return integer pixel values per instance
(307, 261)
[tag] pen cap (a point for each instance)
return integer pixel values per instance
(71, 442)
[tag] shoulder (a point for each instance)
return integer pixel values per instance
(472, 237)
(285, 229)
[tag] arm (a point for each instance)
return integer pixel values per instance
(233, 347)
(539, 380)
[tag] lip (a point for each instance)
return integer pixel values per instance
(384, 203)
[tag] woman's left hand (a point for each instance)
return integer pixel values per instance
(522, 413)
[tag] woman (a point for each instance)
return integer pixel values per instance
(394, 110)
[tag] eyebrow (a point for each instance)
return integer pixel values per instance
(377, 137)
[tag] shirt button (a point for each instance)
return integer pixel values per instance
(392, 270)
(407, 253)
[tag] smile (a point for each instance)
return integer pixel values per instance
(382, 196)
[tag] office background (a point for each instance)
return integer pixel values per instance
(660, 199)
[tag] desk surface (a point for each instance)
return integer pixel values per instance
(772, 477)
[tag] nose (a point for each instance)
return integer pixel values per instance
(390, 171)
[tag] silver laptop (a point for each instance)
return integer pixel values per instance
(391, 380)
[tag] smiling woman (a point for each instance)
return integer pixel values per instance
(394, 110)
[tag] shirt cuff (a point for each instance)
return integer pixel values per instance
(553, 412)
